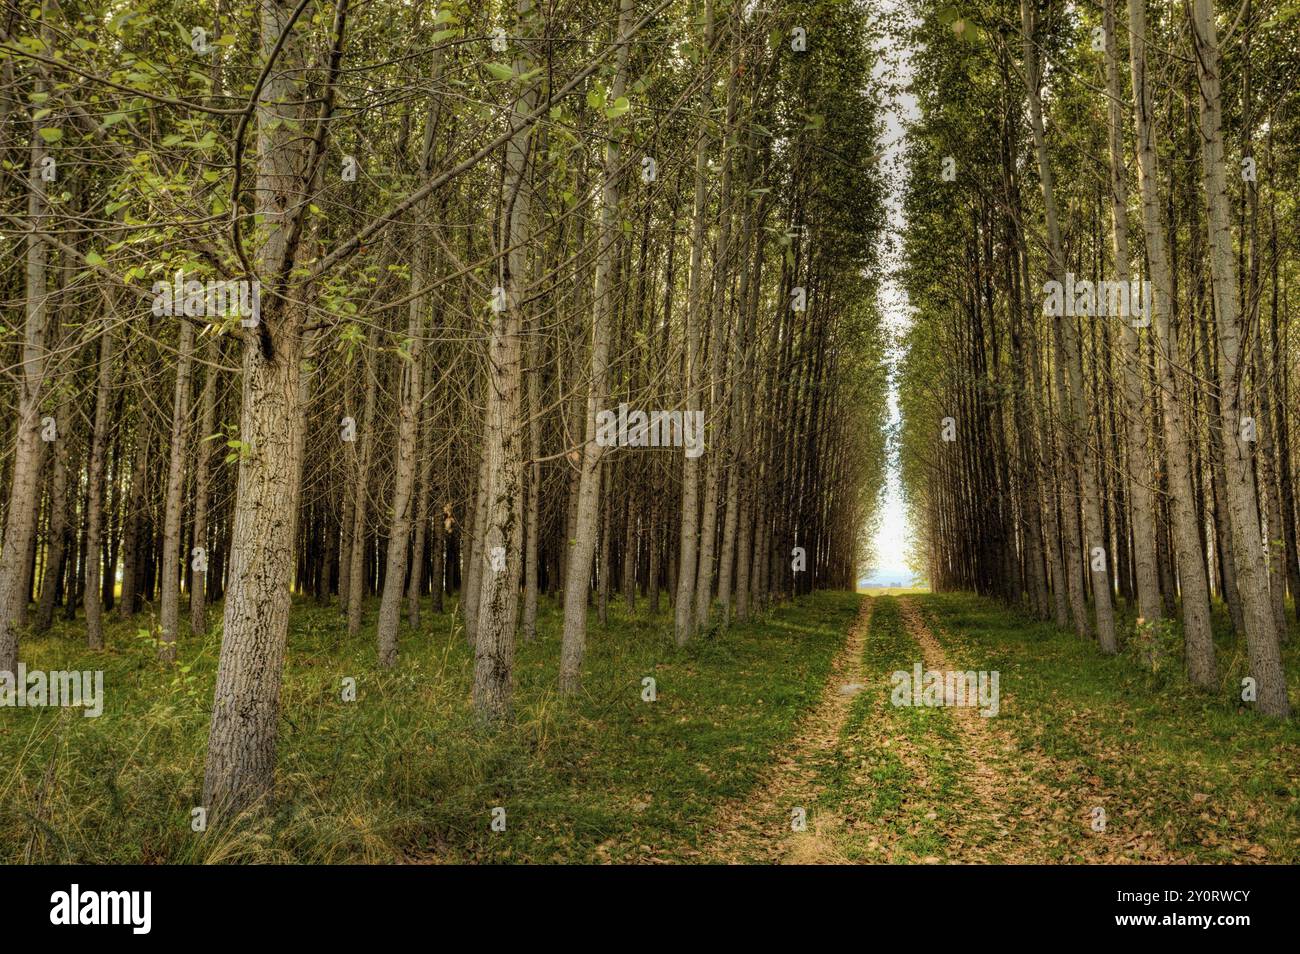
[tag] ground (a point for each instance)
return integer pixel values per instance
(747, 726)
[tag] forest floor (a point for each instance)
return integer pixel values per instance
(1087, 759)
(750, 729)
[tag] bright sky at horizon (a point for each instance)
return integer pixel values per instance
(894, 534)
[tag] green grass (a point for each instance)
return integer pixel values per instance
(404, 773)
(1192, 770)
(889, 810)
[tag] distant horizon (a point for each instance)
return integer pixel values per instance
(887, 576)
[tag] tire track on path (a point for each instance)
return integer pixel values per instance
(1014, 818)
(757, 829)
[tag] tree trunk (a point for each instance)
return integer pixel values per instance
(498, 600)
(240, 768)
(1082, 457)
(532, 531)
(202, 481)
(399, 534)
(424, 502)
(1197, 635)
(1243, 505)
(61, 538)
(24, 498)
(1139, 476)
(684, 622)
(171, 572)
(582, 546)
(361, 496)
(95, 490)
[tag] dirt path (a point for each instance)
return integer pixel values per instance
(986, 835)
(1014, 817)
(1014, 807)
(758, 829)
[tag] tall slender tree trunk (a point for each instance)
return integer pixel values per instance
(1139, 475)
(132, 544)
(199, 555)
(1281, 389)
(1267, 461)
(240, 770)
(532, 516)
(171, 572)
(684, 621)
(744, 552)
(95, 488)
(1243, 505)
(1079, 450)
(246, 703)
(473, 553)
(424, 502)
(582, 546)
(408, 422)
(629, 555)
(361, 495)
(498, 600)
(718, 403)
(408, 425)
(61, 538)
(1197, 635)
(24, 498)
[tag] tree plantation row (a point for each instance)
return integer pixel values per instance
(1098, 392)
(414, 307)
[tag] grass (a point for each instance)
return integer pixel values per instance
(404, 773)
(893, 786)
(1182, 775)
(1194, 771)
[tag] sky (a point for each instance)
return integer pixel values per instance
(894, 534)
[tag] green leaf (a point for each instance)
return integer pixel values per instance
(94, 258)
(499, 70)
(51, 134)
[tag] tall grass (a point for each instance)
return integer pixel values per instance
(405, 773)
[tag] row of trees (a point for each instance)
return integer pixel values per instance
(1095, 454)
(473, 229)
